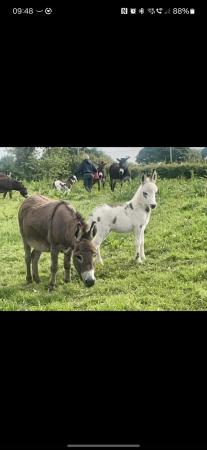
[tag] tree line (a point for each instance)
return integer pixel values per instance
(33, 163)
(162, 154)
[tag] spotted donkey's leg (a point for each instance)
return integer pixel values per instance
(103, 231)
(138, 236)
(99, 259)
(142, 254)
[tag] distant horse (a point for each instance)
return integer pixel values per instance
(119, 172)
(100, 176)
(133, 215)
(8, 184)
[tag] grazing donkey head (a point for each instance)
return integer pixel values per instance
(17, 185)
(84, 253)
(149, 189)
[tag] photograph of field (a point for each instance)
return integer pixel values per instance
(173, 276)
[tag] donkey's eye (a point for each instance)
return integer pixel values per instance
(79, 258)
(145, 194)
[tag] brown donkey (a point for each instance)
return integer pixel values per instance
(53, 226)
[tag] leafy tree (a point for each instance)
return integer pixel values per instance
(26, 164)
(194, 155)
(7, 164)
(34, 163)
(158, 154)
(204, 152)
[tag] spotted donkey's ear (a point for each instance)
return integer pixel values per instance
(154, 176)
(143, 178)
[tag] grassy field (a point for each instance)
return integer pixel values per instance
(173, 277)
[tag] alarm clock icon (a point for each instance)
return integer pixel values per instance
(48, 10)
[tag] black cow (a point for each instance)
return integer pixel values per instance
(119, 172)
(7, 184)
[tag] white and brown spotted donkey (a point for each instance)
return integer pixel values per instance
(133, 215)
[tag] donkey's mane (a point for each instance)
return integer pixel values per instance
(17, 182)
(71, 209)
(80, 218)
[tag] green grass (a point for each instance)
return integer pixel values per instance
(174, 276)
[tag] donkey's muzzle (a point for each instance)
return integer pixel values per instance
(89, 282)
(88, 278)
(153, 206)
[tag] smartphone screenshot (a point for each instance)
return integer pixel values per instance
(103, 217)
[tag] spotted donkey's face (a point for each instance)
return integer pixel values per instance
(149, 190)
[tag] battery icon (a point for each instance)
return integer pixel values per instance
(192, 11)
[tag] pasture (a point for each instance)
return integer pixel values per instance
(173, 277)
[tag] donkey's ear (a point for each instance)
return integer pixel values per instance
(118, 159)
(154, 176)
(143, 178)
(78, 233)
(93, 230)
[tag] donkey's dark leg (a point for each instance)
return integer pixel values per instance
(35, 258)
(54, 266)
(67, 266)
(28, 259)
(114, 184)
(4, 195)
(10, 194)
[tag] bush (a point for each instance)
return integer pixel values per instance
(186, 170)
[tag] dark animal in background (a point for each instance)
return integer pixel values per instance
(8, 184)
(53, 226)
(119, 172)
(100, 176)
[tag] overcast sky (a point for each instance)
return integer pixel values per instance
(114, 152)
(121, 152)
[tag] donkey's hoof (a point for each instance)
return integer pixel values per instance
(138, 261)
(28, 280)
(37, 280)
(51, 287)
(67, 280)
